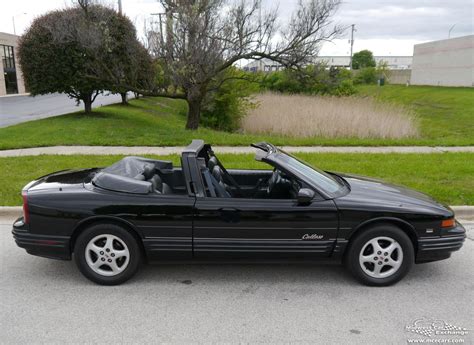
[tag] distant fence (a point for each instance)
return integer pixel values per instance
(399, 76)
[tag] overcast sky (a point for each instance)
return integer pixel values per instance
(387, 27)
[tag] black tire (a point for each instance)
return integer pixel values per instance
(134, 253)
(358, 243)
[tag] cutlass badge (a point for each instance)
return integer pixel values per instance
(312, 237)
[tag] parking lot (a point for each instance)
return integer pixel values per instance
(49, 301)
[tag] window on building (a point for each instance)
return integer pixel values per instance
(9, 69)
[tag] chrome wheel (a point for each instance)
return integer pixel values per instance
(107, 255)
(381, 257)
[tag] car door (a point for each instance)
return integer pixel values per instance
(268, 229)
(165, 222)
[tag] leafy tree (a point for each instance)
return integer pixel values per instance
(201, 39)
(82, 51)
(363, 59)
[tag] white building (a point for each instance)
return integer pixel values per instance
(447, 62)
(393, 62)
(11, 78)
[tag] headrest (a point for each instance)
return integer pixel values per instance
(217, 173)
(212, 163)
(148, 171)
(157, 183)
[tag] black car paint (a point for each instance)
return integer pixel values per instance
(196, 227)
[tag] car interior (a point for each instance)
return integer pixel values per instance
(255, 184)
(139, 175)
(143, 176)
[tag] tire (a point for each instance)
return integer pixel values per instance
(371, 264)
(107, 254)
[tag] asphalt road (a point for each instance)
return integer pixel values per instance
(47, 301)
(17, 109)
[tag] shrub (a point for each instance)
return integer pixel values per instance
(224, 108)
(367, 75)
(312, 80)
(345, 88)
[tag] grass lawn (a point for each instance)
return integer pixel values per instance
(446, 114)
(446, 117)
(446, 176)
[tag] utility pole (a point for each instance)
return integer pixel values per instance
(13, 20)
(451, 29)
(352, 43)
(120, 6)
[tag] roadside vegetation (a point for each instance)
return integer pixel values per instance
(328, 117)
(445, 117)
(445, 176)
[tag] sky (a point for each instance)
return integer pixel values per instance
(386, 27)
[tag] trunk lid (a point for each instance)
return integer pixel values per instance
(64, 179)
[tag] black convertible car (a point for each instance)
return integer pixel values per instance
(139, 209)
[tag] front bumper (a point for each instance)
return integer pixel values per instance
(441, 247)
(54, 247)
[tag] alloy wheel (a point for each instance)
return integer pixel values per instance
(381, 257)
(107, 255)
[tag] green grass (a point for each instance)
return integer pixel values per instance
(445, 114)
(446, 117)
(446, 176)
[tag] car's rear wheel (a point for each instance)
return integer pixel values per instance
(380, 256)
(107, 254)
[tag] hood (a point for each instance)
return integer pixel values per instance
(369, 191)
(61, 179)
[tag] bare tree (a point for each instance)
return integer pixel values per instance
(202, 38)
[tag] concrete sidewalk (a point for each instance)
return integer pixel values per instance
(157, 150)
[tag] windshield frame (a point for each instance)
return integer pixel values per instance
(279, 159)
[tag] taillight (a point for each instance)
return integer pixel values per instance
(26, 211)
(448, 223)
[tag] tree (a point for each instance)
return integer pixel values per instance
(203, 38)
(363, 59)
(81, 51)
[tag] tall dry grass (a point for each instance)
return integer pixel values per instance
(333, 117)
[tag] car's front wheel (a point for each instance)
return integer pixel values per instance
(380, 256)
(107, 254)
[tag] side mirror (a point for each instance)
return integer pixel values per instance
(305, 196)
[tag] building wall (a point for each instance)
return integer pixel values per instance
(399, 76)
(393, 62)
(11, 40)
(447, 62)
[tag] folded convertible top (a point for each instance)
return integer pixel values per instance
(130, 175)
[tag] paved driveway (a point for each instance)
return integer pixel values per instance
(49, 301)
(17, 109)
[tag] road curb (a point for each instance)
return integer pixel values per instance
(10, 211)
(462, 212)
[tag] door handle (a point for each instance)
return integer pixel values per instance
(229, 214)
(228, 209)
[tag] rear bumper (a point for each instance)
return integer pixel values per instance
(439, 248)
(54, 247)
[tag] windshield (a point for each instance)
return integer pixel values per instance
(328, 183)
